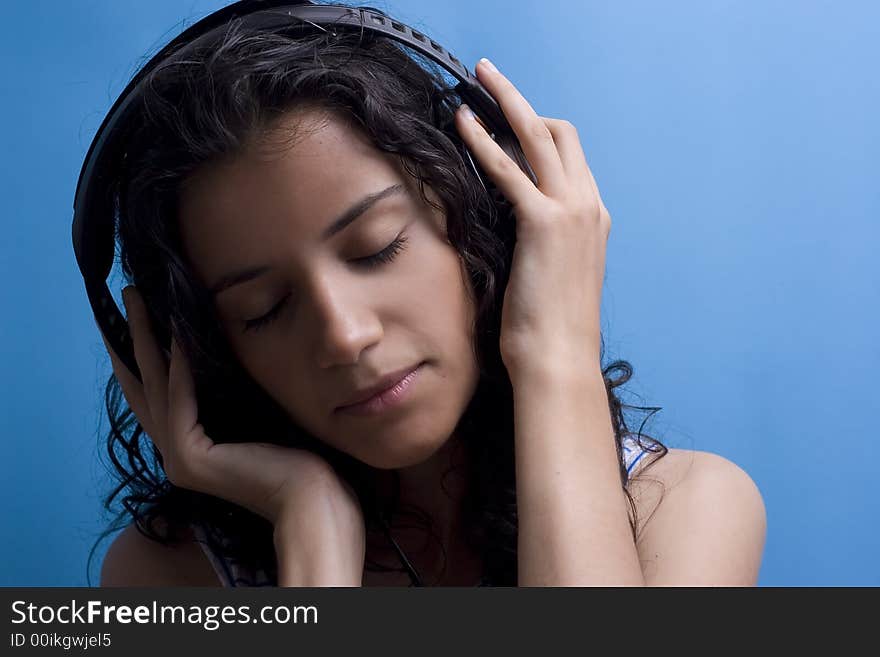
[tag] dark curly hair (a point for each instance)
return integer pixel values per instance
(211, 105)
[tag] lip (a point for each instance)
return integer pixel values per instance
(389, 392)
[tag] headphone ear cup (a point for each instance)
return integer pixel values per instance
(510, 145)
(504, 210)
(488, 184)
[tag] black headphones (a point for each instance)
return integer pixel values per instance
(94, 208)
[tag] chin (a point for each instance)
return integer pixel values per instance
(401, 454)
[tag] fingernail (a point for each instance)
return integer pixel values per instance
(467, 112)
(489, 65)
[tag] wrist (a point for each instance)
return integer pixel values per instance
(322, 545)
(532, 376)
(305, 560)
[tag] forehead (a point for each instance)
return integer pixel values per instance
(290, 183)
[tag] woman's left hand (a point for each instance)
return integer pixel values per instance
(550, 316)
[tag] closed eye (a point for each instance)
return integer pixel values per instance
(384, 256)
(257, 323)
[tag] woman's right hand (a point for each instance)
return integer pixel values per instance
(278, 483)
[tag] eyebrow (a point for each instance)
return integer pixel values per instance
(339, 224)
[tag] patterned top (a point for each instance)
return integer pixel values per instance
(633, 453)
(232, 573)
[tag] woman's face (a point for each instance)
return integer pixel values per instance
(311, 324)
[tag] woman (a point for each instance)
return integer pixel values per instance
(350, 347)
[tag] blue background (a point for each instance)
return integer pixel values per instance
(735, 145)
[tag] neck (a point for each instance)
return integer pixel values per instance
(436, 487)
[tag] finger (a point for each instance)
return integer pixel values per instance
(534, 137)
(149, 357)
(131, 388)
(568, 144)
(182, 405)
(572, 154)
(505, 173)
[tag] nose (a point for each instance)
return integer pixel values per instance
(345, 324)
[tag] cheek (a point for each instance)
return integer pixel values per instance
(278, 371)
(452, 311)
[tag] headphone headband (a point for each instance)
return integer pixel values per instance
(94, 207)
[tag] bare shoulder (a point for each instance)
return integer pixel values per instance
(136, 560)
(700, 520)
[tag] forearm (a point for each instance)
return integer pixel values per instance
(319, 547)
(573, 522)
